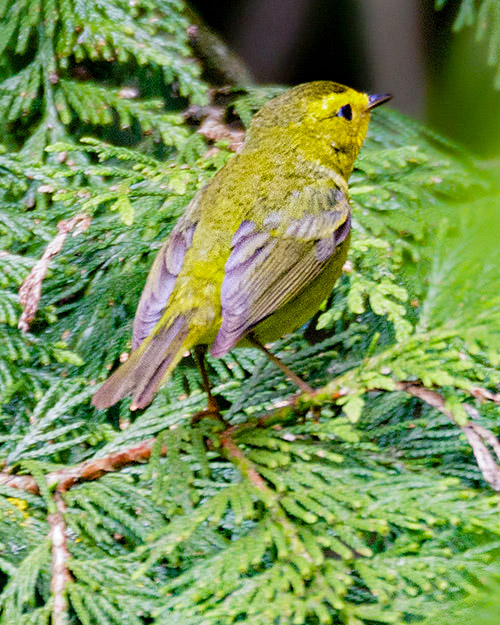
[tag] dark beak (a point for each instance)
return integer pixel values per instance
(377, 100)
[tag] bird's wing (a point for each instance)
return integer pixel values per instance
(270, 264)
(164, 272)
(155, 353)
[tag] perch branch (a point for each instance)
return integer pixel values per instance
(64, 479)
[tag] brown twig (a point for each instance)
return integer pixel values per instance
(298, 381)
(430, 397)
(476, 435)
(84, 472)
(242, 462)
(270, 497)
(484, 459)
(31, 289)
(60, 555)
(489, 437)
(485, 395)
(21, 482)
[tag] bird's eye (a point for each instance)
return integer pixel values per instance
(345, 112)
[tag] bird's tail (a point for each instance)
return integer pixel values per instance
(149, 365)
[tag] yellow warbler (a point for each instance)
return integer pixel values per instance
(259, 247)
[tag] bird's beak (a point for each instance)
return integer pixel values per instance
(377, 100)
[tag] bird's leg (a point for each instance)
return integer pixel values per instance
(299, 382)
(212, 409)
(199, 355)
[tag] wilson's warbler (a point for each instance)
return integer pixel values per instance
(259, 247)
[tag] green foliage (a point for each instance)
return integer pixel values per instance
(339, 529)
(71, 75)
(485, 16)
(482, 608)
(375, 513)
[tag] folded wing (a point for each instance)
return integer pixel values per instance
(270, 264)
(163, 274)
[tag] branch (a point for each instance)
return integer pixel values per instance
(221, 65)
(268, 496)
(64, 479)
(31, 289)
(245, 466)
(489, 437)
(485, 395)
(476, 435)
(484, 459)
(60, 555)
(87, 471)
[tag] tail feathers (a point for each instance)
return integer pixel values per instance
(147, 367)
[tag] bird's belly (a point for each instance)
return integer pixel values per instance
(304, 305)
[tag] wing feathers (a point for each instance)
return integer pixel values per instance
(161, 281)
(270, 265)
(161, 355)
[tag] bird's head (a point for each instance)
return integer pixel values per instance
(320, 117)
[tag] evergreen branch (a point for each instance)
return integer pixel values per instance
(89, 470)
(72, 40)
(31, 289)
(60, 555)
(64, 479)
(476, 435)
(268, 496)
(244, 465)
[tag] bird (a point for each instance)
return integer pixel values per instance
(258, 248)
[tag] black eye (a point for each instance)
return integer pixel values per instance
(345, 111)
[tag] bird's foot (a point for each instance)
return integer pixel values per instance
(212, 411)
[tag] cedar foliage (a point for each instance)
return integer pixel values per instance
(484, 16)
(376, 513)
